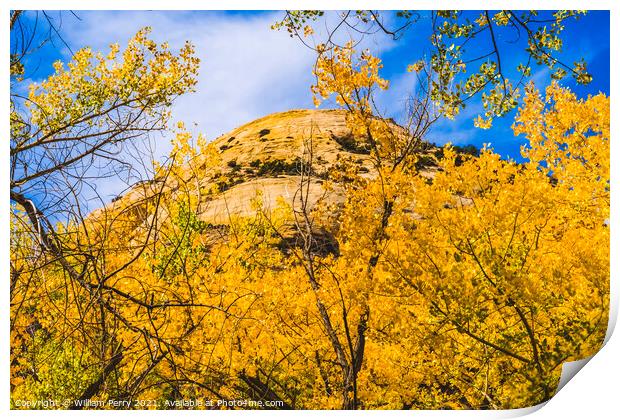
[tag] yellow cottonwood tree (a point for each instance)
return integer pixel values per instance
(464, 288)
(64, 274)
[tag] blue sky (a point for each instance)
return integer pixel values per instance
(249, 70)
(587, 37)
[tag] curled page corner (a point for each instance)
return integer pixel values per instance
(570, 369)
(613, 312)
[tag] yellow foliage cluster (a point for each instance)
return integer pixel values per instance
(144, 72)
(467, 290)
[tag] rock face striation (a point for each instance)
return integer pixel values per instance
(265, 157)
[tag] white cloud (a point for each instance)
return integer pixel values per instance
(247, 69)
